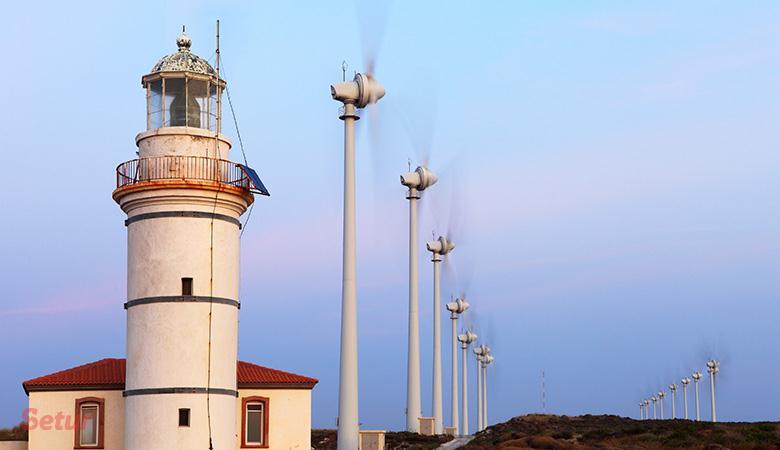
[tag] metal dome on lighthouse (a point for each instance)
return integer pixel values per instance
(183, 90)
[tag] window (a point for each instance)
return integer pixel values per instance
(184, 417)
(89, 423)
(186, 286)
(254, 423)
(155, 104)
(175, 103)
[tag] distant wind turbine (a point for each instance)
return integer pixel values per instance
(713, 367)
(696, 377)
(685, 381)
(455, 308)
(466, 339)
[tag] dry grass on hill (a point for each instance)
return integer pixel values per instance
(326, 440)
(612, 432)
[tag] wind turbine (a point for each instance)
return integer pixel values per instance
(696, 377)
(673, 389)
(439, 248)
(486, 361)
(713, 367)
(684, 383)
(466, 339)
(455, 308)
(481, 351)
(661, 395)
(647, 408)
(416, 181)
(655, 401)
(357, 93)
(642, 410)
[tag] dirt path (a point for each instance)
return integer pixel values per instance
(456, 443)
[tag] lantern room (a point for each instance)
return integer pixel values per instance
(183, 90)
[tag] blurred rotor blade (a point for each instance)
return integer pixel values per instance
(372, 18)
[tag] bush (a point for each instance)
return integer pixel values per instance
(562, 435)
(17, 433)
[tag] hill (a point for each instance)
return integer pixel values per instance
(612, 432)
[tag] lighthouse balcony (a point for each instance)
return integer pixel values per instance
(191, 170)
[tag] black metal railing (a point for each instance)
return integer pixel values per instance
(195, 168)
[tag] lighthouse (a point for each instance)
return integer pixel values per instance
(183, 198)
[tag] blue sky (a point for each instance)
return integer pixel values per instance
(610, 169)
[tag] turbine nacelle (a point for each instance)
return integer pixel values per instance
(672, 387)
(696, 376)
(361, 91)
(487, 359)
(440, 246)
(713, 366)
(685, 381)
(420, 179)
(482, 350)
(467, 338)
(458, 306)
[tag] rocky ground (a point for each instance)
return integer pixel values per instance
(326, 440)
(613, 432)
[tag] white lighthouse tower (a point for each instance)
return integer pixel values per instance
(183, 198)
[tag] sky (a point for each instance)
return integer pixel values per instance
(608, 171)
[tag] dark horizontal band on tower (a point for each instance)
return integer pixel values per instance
(196, 214)
(182, 299)
(179, 390)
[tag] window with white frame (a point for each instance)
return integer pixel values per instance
(89, 423)
(255, 421)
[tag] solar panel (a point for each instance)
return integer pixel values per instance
(257, 186)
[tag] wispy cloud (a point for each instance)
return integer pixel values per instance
(58, 308)
(70, 300)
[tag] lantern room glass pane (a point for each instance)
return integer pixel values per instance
(212, 110)
(175, 103)
(197, 108)
(155, 104)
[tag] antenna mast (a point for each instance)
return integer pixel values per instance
(219, 96)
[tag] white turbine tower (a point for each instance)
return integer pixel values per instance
(713, 367)
(438, 248)
(642, 410)
(684, 383)
(486, 361)
(481, 351)
(696, 377)
(416, 181)
(455, 308)
(673, 389)
(647, 408)
(466, 339)
(661, 395)
(358, 93)
(655, 402)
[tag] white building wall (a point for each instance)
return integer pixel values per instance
(48, 403)
(289, 417)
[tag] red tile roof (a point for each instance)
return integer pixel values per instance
(251, 375)
(109, 373)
